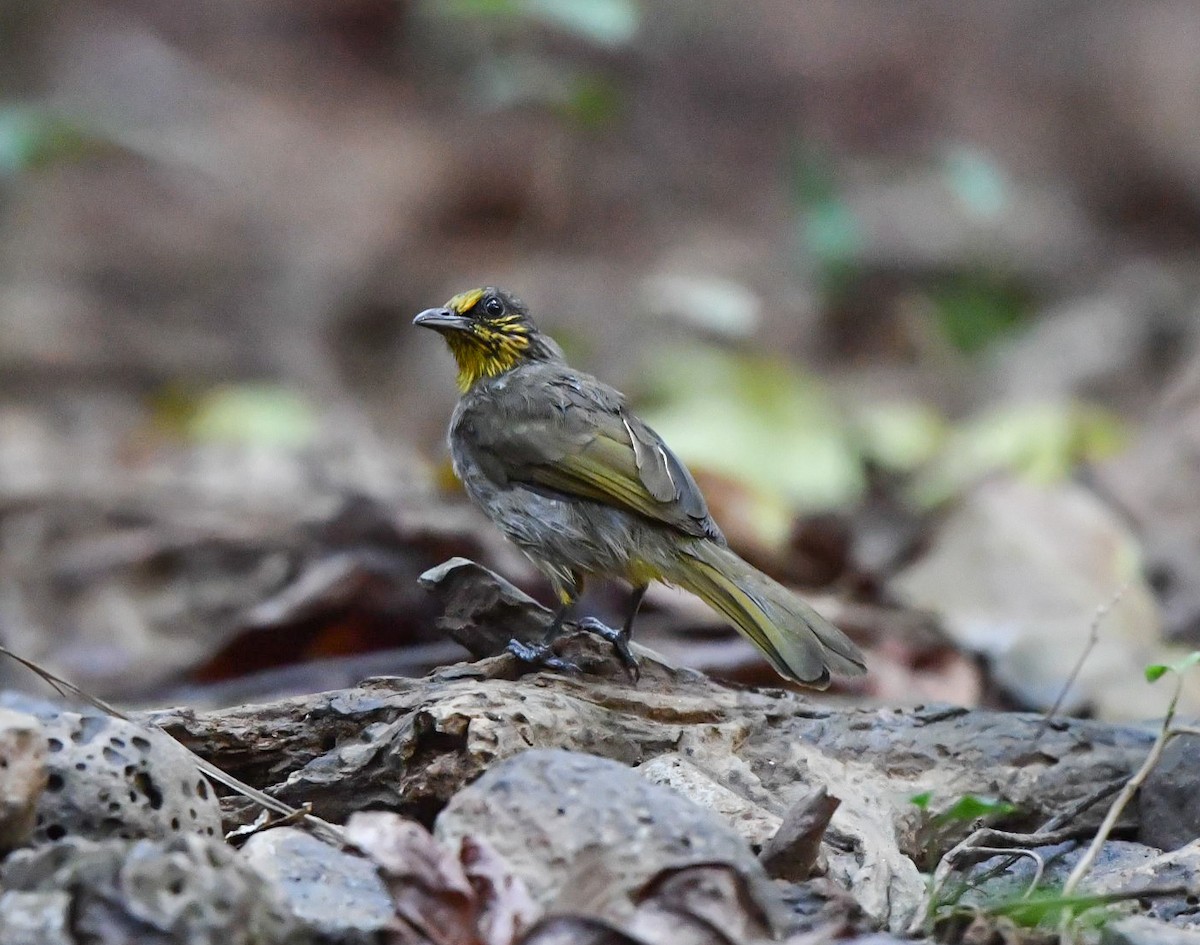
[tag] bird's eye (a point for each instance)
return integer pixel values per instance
(493, 306)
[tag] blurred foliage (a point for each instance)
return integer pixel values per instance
(706, 303)
(979, 182)
(763, 423)
(828, 230)
(900, 437)
(974, 309)
(507, 73)
(973, 306)
(587, 98)
(32, 138)
(256, 414)
(756, 419)
(1042, 442)
(610, 23)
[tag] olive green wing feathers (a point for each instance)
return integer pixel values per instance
(582, 441)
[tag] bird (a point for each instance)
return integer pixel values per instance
(558, 461)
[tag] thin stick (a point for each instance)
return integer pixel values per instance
(1093, 638)
(69, 690)
(1126, 795)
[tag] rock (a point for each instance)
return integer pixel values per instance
(188, 890)
(566, 821)
(35, 918)
(1121, 866)
(107, 777)
(1116, 863)
(510, 612)
(792, 852)
(338, 896)
(1168, 803)
(1070, 555)
(752, 822)
(410, 745)
(1138, 930)
(22, 776)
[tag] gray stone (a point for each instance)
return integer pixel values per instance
(187, 889)
(563, 820)
(338, 896)
(1138, 930)
(1168, 803)
(107, 777)
(35, 918)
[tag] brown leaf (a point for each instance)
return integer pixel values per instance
(709, 899)
(434, 899)
(505, 907)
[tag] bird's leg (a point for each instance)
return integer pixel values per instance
(542, 654)
(620, 639)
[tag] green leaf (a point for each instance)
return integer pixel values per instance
(1046, 909)
(921, 800)
(969, 807)
(1156, 671)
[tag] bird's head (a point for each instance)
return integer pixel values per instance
(488, 331)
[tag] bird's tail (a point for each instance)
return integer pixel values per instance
(800, 643)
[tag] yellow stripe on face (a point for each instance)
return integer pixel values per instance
(465, 301)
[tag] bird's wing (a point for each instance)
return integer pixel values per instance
(577, 437)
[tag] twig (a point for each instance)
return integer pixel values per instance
(1093, 638)
(69, 690)
(1126, 795)
(1055, 830)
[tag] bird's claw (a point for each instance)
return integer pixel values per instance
(540, 655)
(619, 640)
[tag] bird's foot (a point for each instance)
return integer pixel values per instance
(619, 640)
(540, 656)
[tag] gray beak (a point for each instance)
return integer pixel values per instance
(442, 319)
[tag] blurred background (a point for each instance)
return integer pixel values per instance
(913, 290)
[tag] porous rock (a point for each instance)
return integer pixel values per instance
(565, 820)
(22, 776)
(35, 918)
(108, 777)
(187, 889)
(411, 744)
(339, 897)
